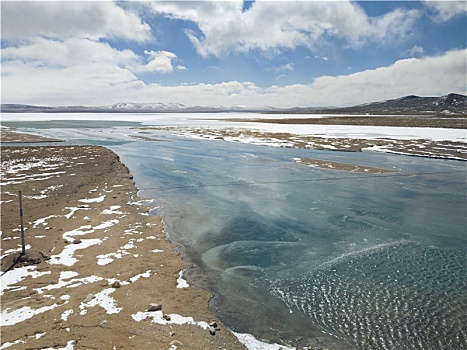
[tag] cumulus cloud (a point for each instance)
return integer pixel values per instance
(160, 61)
(428, 76)
(91, 84)
(445, 10)
(69, 52)
(404, 77)
(100, 83)
(224, 26)
(64, 19)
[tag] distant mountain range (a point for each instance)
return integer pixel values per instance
(448, 104)
(130, 107)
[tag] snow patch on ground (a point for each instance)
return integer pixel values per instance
(92, 200)
(112, 210)
(157, 317)
(182, 283)
(21, 314)
(66, 256)
(104, 300)
(14, 276)
(252, 343)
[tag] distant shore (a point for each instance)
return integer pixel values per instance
(411, 121)
(9, 136)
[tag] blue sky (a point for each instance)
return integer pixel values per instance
(277, 53)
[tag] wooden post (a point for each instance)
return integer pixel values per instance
(23, 251)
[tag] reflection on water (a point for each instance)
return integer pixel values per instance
(303, 255)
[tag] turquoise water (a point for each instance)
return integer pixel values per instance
(293, 253)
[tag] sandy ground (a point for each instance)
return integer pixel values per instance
(94, 260)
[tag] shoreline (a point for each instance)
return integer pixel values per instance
(96, 260)
(420, 147)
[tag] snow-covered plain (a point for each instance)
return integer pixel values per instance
(221, 120)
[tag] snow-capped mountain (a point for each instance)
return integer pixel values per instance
(124, 106)
(448, 104)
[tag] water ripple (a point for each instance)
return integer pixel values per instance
(404, 296)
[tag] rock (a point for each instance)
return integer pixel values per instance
(45, 256)
(176, 343)
(166, 317)
(212, 330)
(24, 257)
(116, 284)
(88, 298)
(154, 307)
(213, 324)
(172, 334)
(77, 241)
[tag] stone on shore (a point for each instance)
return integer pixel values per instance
(88, 298)
(116, 284)
(154, 307)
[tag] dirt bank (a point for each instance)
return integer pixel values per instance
(95, 260)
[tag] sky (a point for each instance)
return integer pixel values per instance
(224, 53)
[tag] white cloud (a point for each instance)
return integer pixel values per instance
(88, 84)
(42, 66)
(445, 10)
(282, 76)
(414, 51)
(285, 67)
(212, 68)
(160, 61)
(108, 76)
(64, 19)
(324, 58)
(225, 27)
(428, 76)
(69, 52)
(180, 67)
(405, 77)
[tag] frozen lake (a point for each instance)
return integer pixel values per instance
(293, 253)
